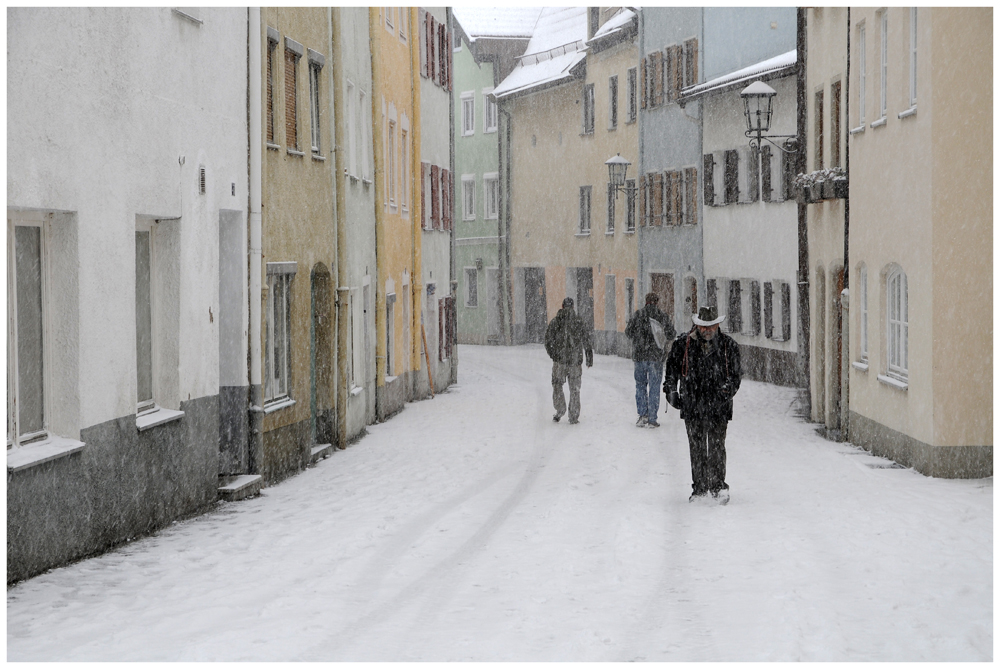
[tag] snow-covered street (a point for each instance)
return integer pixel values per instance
(472, 527)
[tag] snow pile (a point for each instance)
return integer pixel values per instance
(472, 527)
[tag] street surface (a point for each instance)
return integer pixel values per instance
(472, 527)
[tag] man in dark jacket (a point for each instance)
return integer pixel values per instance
(648, 355)
(566, 339)
(706, 364)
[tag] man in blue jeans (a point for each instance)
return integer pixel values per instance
(649, 350)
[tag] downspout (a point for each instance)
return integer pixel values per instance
(374, 28)
(800, 131)
(640, 162)
(340, 194)
(255, 258)
(452, 333)
(845, 331)
(507, 310)
(416, 278)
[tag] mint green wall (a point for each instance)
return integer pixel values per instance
(475, 154)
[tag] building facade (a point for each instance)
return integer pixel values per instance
(127, 273)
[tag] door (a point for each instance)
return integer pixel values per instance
(663, 286)
(493, 305)
(535, 313)
(321, 358)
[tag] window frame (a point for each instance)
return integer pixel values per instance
(490, 112)
(491, 202)
(146, 405)
(280, 277)
(632, 79)
(471, 288)
(897, 324)
(315, 125)
(468, 197)
(404, 151)
(468, 113)
(862, 73)
(390, 167)
(913, 57)
(588, 109)
(884, 63)
(613, 102)
(291, 110)
(586, 208)
(863, 342)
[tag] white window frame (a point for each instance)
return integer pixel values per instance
(897, 324)
(468, 197)
(314, 111)
(586, 209)
(491, 200)
(366, 138)
(589, 121)
(390, 167)
(14, 436)
(863, 313)
(489, 111)
(468, 113)
(277, 369)
(913, 57)
(862, 73)
(884, 62)
(143, 404)
(471, 296)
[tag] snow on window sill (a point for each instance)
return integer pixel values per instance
(893, 382)
(319, 157)
(860, 366)
(40, 452)
(158, 417)
(273, 147)
(356, 390)
(390, 379)
(583, 234)
(878, 123)
(912, 111)
(296, 152)
(609, 233)
(859, 129)
(277, 405)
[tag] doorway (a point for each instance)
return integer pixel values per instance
(535, 313)
(321, 415)
(663, 286)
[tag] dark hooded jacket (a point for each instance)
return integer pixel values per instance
(709, 374)
(641, 333)
(566, 338)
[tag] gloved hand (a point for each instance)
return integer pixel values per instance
(674, 400)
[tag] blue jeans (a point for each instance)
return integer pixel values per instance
(648, 379)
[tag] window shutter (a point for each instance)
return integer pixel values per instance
(691, 195)
(657, 78)
(435, 197)
(451, 59)
(642, 201)
(441, 334)
(431, 42)
(708, 169)
(732, 159)
(291, 120)
(669, 68)
(711, 293)
(765, 173)
(270, 92)
(691, 62)
(735, 306)
(642, 79)
(442, 79)
(786, 312)
(446, 199)
(755, 308)
(753, 174)
(768, 309)
(657, 198)
(669, 212)
(422, 22)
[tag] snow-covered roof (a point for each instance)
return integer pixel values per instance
(556, 46)
(772, 66)
(614, 24)
(497, 22)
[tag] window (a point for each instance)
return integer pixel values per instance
(898, 325)
(862, 74)
(611, 209)
(314, 122)
(491, 190)
(690, 196)
(631, 94)
(765, 173)
(585, 210)
(390, 333)
(390, 165)
(364, 118)
(471, 287)
(735, 314)
(404, 15)
(271, 44)
(884, 61)
(468, 197)
(293, 51)
(588, 109)
(863, 312)
(835, 124)
(783, 310)
(390, 15)
(613, 102)
(708, 166)
(468, 113)
(26, 274)
(818, 118)
(913, 56)
(630, 206)
(754, 324)
(489, 111)
(732, 187)
(456, 41)
(144, 319)
(787, 176)
(278, 331)
(404, 164)
(353, 141)
(768, 310)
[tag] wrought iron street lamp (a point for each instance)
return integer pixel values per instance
(758, 99)
(617, 172)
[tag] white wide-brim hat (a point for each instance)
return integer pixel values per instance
(707, 316)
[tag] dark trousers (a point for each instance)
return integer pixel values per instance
(707, 441)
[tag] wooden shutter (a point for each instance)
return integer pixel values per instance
(657, 198)
(711, 293)
(642, 80)
(449, 38)
(291, 113)
(786, 312)
(432, 47)
(657, 78)
(768, 312)
(445, 200)
(669, 212)
(753, 174)
(708, 170)
(435, 197)
(691, 62)
(443, 49)
(765, 173)
(676, 55)
(642, 201)
(423, 195)
(735, 307)
(691, 195)
(270, 92)
(755, 308)
(732, 159)
(441, 334)
(422, 22)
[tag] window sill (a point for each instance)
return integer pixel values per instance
(898, 384)
(390, 379)
(278, 405)
(630, 232)
(273, 147)
(319, 157)
(609, 233)
(859, 129)
(493, 218)
(296, 152)
(879, 123)
(912, 111)
(860, 366)
(356, 390)
(583, 234)
(353, 178)
(468, 134)
(489, 131)
(158, 417)
(38, 453)
(367, 182)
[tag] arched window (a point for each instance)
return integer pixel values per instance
(897, 330)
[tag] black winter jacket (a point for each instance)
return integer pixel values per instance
(566, 338)
(709, 374)
(641, 333)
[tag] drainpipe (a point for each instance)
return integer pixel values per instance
(800, 131)
(639, 166)
(452, 333)
(845, 330)
(374, 30)
(343, 281)
(416, 269)
(254, 252)
(503, 231)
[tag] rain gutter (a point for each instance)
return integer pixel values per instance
(255, 446)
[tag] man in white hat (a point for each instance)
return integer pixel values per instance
(703, 374)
